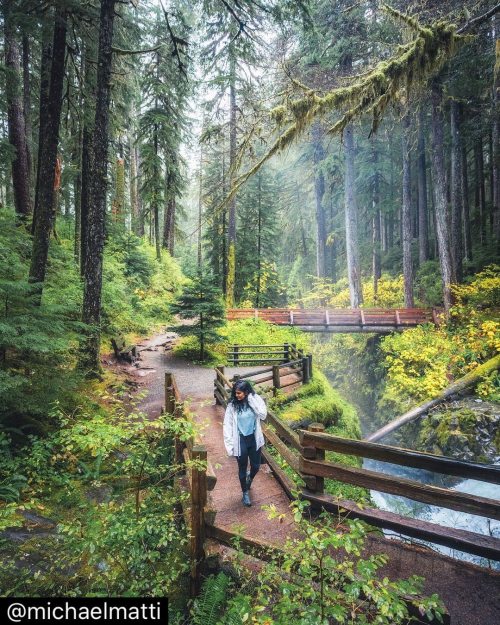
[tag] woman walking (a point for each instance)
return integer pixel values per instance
(243, 436)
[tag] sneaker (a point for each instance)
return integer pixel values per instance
(246, 499)
(249, 480)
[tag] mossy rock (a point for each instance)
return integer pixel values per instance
(466, 429)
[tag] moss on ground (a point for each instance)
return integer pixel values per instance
(318, 402)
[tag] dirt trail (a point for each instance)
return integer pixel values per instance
(471, 593)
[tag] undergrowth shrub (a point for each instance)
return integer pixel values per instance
(106, 478)
(322, 577)
(422, 361)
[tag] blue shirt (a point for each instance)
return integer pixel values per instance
(246, 421)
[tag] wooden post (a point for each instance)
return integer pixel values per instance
(319, 455)
(198, 503)
(305, 370)
(175, 410)
(286, 349)
(169, 395)
(310, 365)
(276, 378)
(219, 369)
(236, 360)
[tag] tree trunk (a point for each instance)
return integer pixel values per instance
(351, 221)
(27, 110)
(134, 200)
(45, 70)
(480, 190)
(96, 210)
(118, 207)
(200, 211)
(47, 157)
(171, 240)
(496, 139)
(21, 168)
(224, 227)
(406, 215)
(423, 230)
(319, 188)
(141, 225)
(259, 242)
(440, 198)
(231, 231)
(456, 188)
(156, 215)
(376, 243)
(77, 185)
(467, 236)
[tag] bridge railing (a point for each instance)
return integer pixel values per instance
(341, 319)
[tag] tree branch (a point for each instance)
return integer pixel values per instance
(129, 52)
(479, 19)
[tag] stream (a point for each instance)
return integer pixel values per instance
(357, 383)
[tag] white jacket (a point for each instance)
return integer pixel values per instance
(231, 433)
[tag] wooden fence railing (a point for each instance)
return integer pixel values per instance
(292, 362)
(312, 463)
(199, 480)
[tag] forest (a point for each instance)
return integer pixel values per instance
(163, 162)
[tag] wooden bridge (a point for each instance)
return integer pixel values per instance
(216, 517)
(341, 320)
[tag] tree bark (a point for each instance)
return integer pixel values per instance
(47, 157)
(319, 189)
(27, 110)
(96, 210)
(456, 189)
(45, 70)
(134, 200)
(440, 196)
(259, 243)
(467, 236)
(169, 219)
(423, 230)
(141, 225)
(406, 215)
(496, 139)
(376, 237)
(200, 211)
(480, 190)
(231, 231)
(16, 121)
(351, 221)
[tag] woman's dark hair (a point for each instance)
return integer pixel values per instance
(247, 388)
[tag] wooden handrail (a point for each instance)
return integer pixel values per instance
(401, 456)
(436, 496)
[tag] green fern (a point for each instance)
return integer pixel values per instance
(208, 607)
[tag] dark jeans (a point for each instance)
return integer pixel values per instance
(248, 450)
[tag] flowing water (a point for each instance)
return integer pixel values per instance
(435, 514)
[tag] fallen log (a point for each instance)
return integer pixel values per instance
(468, 381)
